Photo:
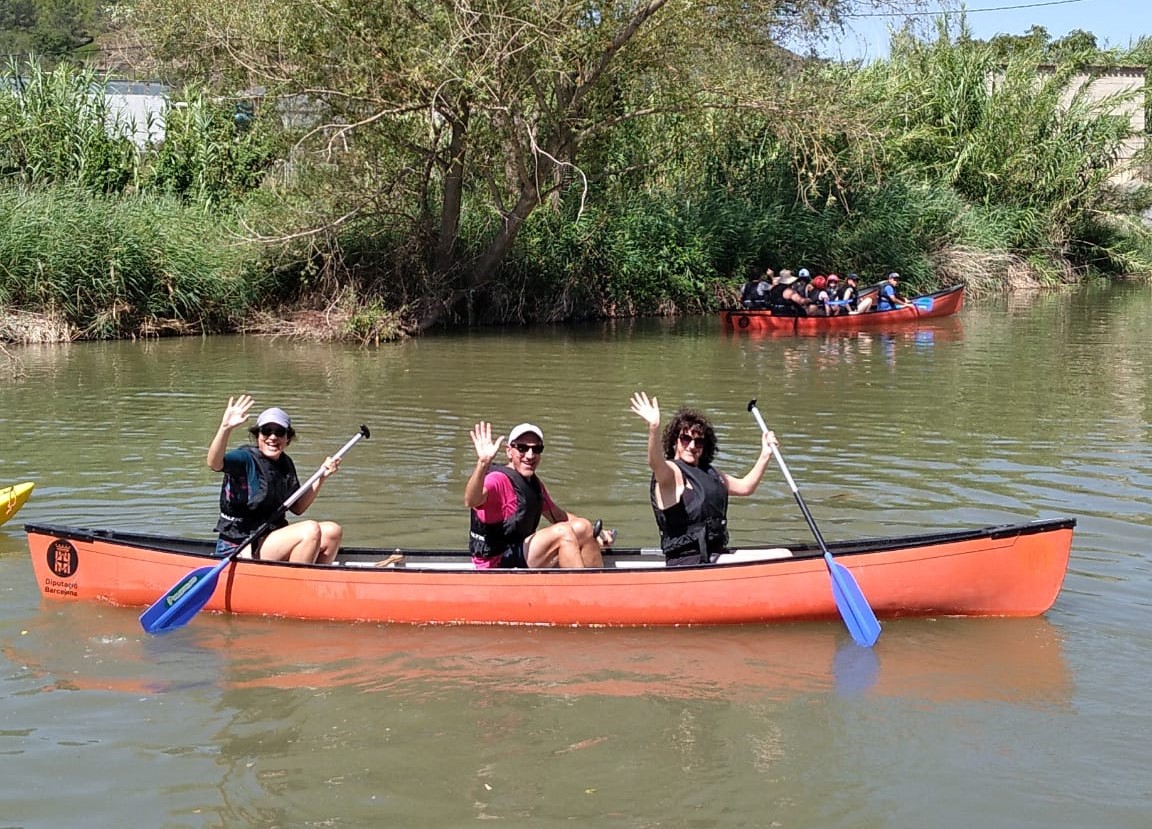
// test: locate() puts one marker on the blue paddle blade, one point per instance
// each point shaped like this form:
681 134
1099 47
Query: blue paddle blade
923 303
183 601
854 609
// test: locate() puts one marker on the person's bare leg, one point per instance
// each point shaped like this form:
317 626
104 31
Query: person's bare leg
590 553
554 546
298 543
331 534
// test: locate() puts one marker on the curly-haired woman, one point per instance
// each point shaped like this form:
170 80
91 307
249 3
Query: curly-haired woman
689 495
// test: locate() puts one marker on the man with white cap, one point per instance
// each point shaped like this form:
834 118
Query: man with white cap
257 481
507 503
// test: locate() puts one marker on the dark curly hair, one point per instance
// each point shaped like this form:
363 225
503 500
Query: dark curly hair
688 420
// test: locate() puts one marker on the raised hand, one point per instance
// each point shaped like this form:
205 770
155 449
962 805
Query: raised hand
237 411
649 410
486 448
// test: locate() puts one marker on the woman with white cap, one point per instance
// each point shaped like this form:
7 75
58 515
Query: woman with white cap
258 479
507 503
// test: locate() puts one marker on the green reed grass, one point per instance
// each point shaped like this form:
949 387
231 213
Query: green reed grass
56 127
120 266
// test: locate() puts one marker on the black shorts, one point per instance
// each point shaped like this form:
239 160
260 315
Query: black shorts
684 561
512 558
226 546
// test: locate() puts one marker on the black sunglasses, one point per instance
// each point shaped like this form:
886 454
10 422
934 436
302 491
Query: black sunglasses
525 448
687 440
270 429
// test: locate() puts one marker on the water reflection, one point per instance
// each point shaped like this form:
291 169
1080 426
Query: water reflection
258 722
822 351
1010 661
949 329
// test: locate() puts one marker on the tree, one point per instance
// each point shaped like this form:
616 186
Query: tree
50 28
437 114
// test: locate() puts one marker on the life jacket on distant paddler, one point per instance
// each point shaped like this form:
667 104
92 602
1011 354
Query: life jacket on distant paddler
780 306
849 296
248 498
698 522
489 540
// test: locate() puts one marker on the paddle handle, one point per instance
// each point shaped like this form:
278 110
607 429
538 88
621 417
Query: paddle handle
788 477
298 494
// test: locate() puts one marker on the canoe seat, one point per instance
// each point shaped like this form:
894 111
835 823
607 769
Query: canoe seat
754 555
654 559
647 560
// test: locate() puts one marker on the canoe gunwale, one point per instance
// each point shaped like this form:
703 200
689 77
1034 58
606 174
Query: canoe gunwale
202 550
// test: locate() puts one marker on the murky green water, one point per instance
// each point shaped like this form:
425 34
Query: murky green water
1019 409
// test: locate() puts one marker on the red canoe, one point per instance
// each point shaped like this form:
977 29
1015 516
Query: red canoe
1010 570
929 306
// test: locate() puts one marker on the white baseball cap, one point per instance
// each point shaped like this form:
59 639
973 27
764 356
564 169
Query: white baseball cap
523 429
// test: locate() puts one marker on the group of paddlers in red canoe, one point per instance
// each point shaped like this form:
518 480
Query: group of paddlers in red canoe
803 295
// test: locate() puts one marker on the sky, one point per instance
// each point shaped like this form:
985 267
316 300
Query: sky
1114 22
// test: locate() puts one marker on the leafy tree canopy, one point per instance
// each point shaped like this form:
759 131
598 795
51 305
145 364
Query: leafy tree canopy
497 106
50 28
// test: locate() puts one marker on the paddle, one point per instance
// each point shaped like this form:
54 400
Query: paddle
853 607
189 595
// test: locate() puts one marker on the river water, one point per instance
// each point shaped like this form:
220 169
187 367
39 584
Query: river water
1021 408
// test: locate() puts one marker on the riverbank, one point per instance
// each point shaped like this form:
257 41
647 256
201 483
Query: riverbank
223 227
351 319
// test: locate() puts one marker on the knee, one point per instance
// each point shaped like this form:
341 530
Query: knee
310 533
566 533
581 528
331 532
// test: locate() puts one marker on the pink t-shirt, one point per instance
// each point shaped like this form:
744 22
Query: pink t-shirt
501 504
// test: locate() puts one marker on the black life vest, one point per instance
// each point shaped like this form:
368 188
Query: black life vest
887 300
777 304
698 522
749 293
490 540
251 497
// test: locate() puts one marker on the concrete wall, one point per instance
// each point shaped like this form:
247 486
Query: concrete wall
1102 83
137 110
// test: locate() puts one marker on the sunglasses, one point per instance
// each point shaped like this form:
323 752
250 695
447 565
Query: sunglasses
687 440
269 429
525 448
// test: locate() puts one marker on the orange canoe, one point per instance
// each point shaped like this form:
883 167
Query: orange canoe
930 306
1009 570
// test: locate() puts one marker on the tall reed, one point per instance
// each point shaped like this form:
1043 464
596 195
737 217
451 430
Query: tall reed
56 127
120 266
